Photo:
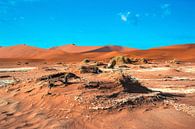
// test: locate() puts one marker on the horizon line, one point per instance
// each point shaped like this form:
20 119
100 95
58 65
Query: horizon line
157 46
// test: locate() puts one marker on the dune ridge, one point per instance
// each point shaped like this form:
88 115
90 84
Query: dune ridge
182 52
77 53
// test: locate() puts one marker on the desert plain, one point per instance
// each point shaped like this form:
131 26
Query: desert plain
109 87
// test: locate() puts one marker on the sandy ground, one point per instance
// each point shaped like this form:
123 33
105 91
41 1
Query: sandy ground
30 104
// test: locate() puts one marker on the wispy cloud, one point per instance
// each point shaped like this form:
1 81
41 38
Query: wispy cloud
124 16
130 17
134 18
165 6
166 10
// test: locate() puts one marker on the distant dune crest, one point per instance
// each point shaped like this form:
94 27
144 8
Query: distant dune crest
84 49
73 52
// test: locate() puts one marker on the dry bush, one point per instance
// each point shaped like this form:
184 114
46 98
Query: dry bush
119 60
132 85
90 69
86 61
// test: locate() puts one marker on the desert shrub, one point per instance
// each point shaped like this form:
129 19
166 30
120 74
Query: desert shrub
132 85
111 64
59 63
99 64
122 59
119 60
62 77
86 61
19 63
90 69
174 61
143 60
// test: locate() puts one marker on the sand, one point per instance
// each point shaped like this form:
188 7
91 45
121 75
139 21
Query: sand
97 101
31 104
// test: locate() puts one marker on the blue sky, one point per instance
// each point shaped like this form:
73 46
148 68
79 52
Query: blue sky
134 23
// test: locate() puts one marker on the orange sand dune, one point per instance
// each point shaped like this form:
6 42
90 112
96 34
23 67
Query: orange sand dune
20 51
183 46
78 53
182 52
80 49
51 54
59 55
76 49
113 48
